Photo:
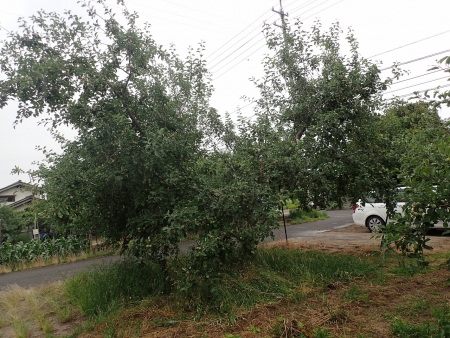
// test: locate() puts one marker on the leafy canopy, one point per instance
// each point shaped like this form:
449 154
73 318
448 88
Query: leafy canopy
323 105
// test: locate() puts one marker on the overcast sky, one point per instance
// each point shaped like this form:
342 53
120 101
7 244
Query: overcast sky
235 47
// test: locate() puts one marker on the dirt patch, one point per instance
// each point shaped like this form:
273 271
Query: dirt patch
356 240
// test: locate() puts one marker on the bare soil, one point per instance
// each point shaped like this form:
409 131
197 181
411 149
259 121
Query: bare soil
357 239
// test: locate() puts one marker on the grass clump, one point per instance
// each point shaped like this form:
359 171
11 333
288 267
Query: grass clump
272 274
440 327
298 216
101 291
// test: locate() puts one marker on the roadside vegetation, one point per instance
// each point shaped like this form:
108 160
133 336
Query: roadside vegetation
153 163
298 216
281 292
38 253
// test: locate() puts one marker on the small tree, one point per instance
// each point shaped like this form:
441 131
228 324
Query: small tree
325 105
142 117
420 141
11 225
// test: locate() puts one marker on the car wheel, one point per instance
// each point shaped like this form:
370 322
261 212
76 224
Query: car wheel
374 223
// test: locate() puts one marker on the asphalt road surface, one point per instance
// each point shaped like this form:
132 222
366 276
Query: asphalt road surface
48 274
338 219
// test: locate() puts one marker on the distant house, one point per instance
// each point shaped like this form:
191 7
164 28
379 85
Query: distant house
17 195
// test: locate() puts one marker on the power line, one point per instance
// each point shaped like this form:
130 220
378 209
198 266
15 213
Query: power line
10 13
418 59
313 7
418 84
415 77
421 91
4 29
177 22
265 45
239 55
234 50
235 111
241 60
320 10
409 44
226 43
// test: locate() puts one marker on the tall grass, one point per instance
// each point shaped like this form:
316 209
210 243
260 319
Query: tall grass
273 274
101 291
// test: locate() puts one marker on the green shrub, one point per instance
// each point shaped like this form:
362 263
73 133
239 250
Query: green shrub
23 237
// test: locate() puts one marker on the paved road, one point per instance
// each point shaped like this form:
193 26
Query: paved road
338 218
28 278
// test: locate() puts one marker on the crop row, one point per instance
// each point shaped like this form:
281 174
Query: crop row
31 251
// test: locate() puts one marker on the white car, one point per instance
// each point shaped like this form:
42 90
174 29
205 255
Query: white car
373 215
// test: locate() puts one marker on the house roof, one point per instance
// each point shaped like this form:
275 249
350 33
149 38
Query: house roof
23 201
17 184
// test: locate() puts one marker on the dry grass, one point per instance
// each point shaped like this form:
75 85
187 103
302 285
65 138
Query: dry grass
37 312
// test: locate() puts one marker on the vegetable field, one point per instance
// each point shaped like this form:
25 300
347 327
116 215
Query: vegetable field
11 254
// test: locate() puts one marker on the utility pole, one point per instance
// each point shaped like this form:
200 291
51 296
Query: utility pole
1 232
287 40
283 20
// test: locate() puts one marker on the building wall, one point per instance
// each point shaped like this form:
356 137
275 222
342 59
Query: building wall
19 190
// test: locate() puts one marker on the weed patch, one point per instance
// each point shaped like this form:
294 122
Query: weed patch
298 216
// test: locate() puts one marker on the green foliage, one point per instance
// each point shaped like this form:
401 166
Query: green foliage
101 291
321 333
438 97
253 329
24 237
271 275
419 144
11 225
291 204
420 140
308 215
39 213
145 168
152 161
354 293
428 176
400 328
13 254
323 106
